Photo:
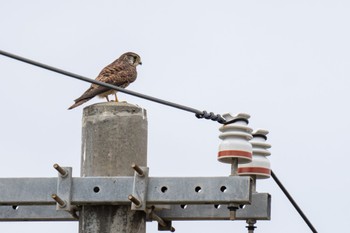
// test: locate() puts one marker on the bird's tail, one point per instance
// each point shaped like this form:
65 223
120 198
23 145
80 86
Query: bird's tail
79 102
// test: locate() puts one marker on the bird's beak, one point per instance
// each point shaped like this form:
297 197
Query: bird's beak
140 63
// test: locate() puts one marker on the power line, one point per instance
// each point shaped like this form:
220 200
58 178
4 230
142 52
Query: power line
290 198
198 113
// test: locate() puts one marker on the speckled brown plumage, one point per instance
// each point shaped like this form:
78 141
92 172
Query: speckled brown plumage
120 73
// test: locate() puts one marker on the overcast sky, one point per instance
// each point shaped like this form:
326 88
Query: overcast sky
286 63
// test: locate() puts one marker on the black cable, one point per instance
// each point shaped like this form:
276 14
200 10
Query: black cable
198 113
290 198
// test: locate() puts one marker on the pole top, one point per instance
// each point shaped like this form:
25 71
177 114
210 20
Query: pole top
112 108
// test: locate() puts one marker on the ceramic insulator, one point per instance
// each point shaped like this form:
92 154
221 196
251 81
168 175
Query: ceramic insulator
260 165
235 140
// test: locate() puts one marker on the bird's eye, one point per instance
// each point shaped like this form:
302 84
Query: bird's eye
131 60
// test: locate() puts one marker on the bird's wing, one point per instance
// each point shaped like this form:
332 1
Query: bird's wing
109 75
116 74
92 92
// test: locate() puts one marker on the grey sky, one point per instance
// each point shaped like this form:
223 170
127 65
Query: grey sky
286 63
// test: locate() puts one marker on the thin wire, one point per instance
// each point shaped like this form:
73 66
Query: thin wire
198 113
290 198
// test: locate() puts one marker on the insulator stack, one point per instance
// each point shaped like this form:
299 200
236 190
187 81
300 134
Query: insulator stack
260 165
235 139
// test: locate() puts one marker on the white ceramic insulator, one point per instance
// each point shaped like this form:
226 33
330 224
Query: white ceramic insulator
235 141
260 165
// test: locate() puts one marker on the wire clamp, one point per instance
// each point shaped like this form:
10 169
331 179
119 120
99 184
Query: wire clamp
211 116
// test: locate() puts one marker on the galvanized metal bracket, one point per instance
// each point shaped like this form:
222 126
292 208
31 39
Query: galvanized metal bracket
64 189
115 190
259 209
168 198
140 188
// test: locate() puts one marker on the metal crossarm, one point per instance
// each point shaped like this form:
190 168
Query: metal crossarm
115 190
259 209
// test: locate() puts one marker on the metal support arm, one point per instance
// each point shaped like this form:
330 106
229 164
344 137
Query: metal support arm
259 209
115 190
171 198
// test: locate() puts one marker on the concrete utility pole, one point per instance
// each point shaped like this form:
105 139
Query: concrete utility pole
113 137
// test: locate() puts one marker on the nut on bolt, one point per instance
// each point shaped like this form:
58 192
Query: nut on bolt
134 200
63 172
138 170
59 201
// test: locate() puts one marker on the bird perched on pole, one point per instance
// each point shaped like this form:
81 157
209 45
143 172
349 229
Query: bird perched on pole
120 73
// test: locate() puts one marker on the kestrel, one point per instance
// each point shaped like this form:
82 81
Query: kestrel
120 73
